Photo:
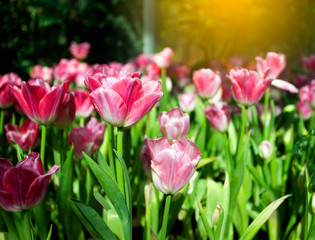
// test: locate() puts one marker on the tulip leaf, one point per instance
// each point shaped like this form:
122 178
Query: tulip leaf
113 193
205 220
103 164
49 233
226 193
205 161
102 201
91 220
262 218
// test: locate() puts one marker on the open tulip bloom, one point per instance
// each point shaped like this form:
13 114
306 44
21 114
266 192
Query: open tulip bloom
121 98
23 186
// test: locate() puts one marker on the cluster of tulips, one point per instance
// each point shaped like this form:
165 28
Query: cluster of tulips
170 152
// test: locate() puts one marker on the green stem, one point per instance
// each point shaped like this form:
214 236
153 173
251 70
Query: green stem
1 121
81 121
111 144
266 113
42 145
229 164
18 152
61 146
119 170
241 136
27 231
164 99
165 216
127 147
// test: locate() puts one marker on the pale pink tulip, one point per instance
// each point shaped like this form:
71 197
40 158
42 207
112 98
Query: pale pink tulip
121 98
80 51
42 72
275 62
187 101
218 116
174 125
173 163
248 87
265 149
206 82
163 59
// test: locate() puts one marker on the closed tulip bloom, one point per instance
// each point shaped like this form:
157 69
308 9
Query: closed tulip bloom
88 138
265 149
6 82
187 101
80 51
174 125
23 186
163 59
218 116
83 104
206 82
275 62
173 163
25 136
42 72
247 86
121 98
40 102
66 69
307 94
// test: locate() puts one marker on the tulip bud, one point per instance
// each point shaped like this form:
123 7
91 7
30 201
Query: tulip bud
217 214
80 51
163 58
187 101
265 150
174 125
206 82
218 116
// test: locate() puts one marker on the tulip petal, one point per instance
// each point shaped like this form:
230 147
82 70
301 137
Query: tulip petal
23 104
6 202
32 160
91 83
5 164
259 90
187 146
284 85
141 107
50 104
109 105
38 188
157 145
183 175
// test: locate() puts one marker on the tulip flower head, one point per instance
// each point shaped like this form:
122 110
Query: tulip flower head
23 186
6 82
265 149
83 104
247 86
304 110
40 102
88 138
163 59
25 136
187 101
307 94
80 51
121 98
174 125
42 72
207 82
218 116
275 62
173 163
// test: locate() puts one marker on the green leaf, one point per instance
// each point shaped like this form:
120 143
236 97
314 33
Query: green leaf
103 164
225 205
102 201
262 218
49 233
205 161
204 220
91 220
232 138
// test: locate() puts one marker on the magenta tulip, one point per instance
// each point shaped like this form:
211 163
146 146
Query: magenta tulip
308 63
83 104
304 110
66 70
40 102
173 163
174 125
145 157
307 94
23 186
163 59
206 82
25 136
80 51
275 62
88 138
66 114
187 101
121 98
248 87
42 72
218 116
6 82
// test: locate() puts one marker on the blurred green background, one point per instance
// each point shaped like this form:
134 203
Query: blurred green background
40 31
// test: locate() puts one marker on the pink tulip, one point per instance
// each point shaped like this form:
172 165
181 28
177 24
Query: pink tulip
284 85
248 87
187 101
6 82
66 115
206 82
143 60
173 163
174 125
121 98
25 136
80 51
66 70
42 72
304 110
265 149
83 104
307 94
163 59
308 63
218 116
88 138
82 70
23 186
40 102
182 73
275 62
